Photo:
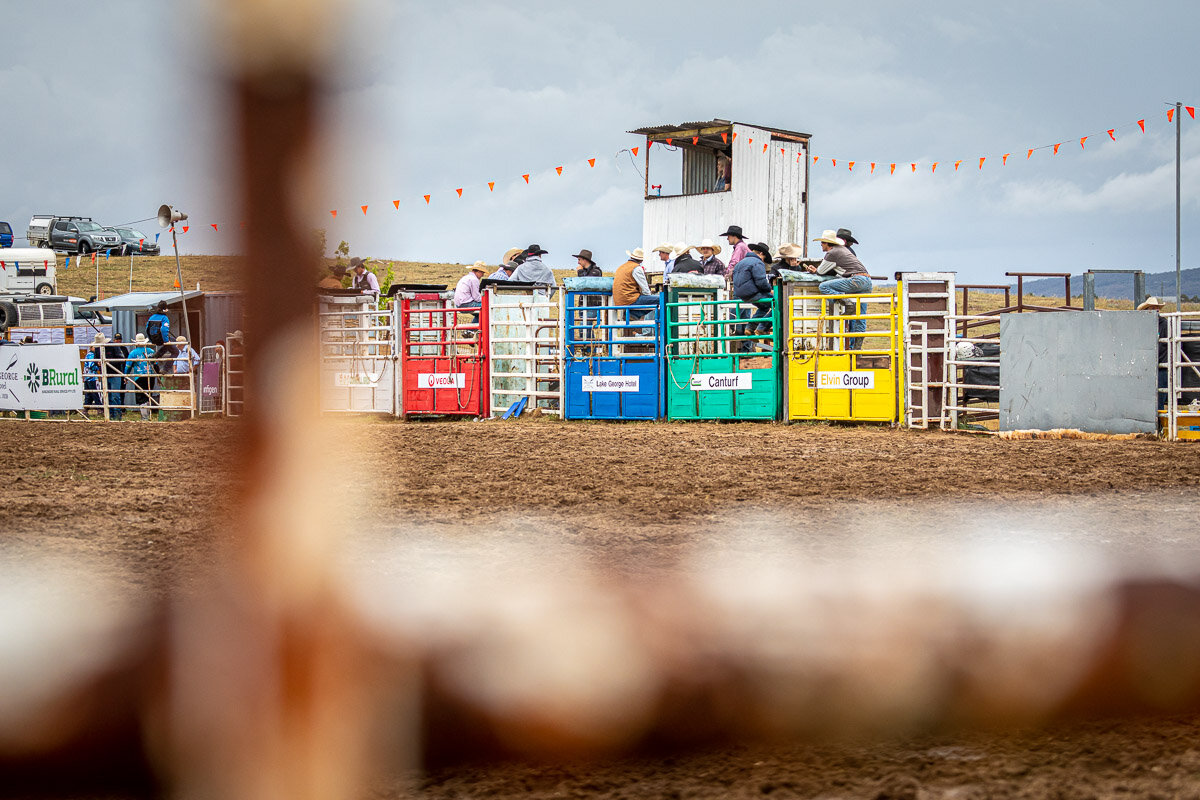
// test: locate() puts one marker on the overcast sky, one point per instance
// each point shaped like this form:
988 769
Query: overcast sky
112 108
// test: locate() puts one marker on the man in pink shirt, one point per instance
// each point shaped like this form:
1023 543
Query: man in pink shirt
740 250
466 293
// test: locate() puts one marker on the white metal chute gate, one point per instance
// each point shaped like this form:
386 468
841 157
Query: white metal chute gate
525 347
961 357
1180 408
212 398
927 298
358 355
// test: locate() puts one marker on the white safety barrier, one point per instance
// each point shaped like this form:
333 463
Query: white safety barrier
144 384
525 347
1180 413
234 373
358 357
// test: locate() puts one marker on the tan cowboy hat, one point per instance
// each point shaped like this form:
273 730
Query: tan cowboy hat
510 253
478 266
830 237
636 254
1149 303
680 248
790 251
709 243
663 248
99 339
181 340
141 339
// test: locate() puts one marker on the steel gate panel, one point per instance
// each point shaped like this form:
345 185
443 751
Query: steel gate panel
707 375
358 356
525 348
612 364
443 356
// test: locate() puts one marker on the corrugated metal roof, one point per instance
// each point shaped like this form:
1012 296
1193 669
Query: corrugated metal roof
658 130
141 300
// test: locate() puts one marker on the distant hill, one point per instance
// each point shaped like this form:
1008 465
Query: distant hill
1119 286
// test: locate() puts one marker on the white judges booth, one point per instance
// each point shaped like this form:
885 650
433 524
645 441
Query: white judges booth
704 176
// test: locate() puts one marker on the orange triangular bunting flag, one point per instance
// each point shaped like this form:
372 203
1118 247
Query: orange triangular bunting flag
981 160
591 162
1004 159
491 186
933 169
426 199
1027 155
396 203
177 283
634 150
1082 139
1142 125
852 166
956 163
1110 134
833 161
459 192
526 175
1170 115
558 170
816 159
750 139
872 167
725 137
214 226
333 211
1191 111
669 142
893 169
782 151
914 167
185 230
1056 148
364 208
695 140
765 146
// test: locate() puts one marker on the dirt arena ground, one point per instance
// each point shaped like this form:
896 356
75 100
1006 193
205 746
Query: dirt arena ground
147 500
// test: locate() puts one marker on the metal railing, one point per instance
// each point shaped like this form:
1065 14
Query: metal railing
525 347
956 390
234 374
358 357
143 383
1181 410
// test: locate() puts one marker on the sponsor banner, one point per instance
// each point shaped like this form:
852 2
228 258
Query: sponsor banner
356 379
610 383
843 380
438 380
44 377
210 386
722 380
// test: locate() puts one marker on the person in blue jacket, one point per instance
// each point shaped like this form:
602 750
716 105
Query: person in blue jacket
751 285
138 369
158 331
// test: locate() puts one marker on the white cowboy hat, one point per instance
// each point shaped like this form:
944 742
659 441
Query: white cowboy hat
663 248
1149 303
636 254
478 266
681 248
830 237
709 243
99 339
789 250
141 339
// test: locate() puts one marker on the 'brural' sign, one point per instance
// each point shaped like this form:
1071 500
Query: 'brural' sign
45 377
842 380
610 383
722 380
441 380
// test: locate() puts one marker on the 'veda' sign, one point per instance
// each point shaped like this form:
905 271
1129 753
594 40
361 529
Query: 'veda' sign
441 380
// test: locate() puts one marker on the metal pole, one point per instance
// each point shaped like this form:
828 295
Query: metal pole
187 325
131 272
1178 272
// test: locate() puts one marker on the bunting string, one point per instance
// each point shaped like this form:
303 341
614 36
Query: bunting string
589 163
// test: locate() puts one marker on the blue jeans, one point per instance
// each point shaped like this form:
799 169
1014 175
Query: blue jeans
644 300
855 284
762 302
116 396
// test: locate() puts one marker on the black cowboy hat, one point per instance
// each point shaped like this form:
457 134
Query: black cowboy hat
535 250
762 250
586 254
846 236
734 230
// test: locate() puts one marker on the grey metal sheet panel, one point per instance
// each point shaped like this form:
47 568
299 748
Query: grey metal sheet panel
223 314
125 323
1095 371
